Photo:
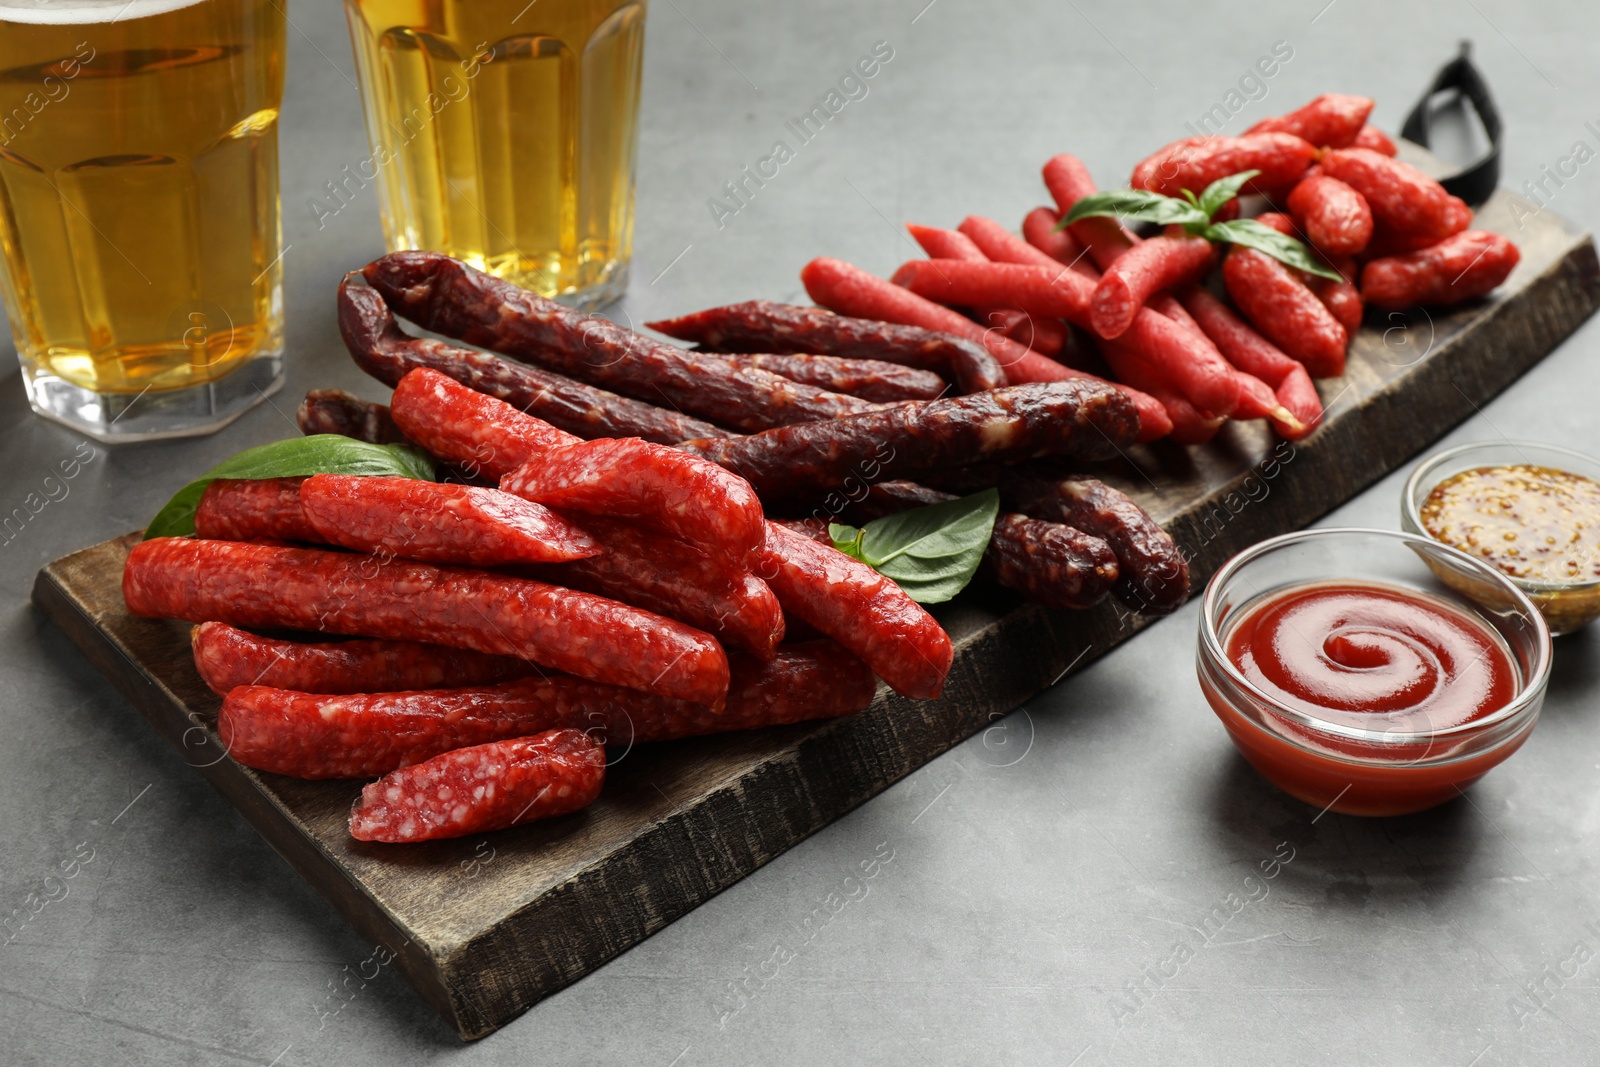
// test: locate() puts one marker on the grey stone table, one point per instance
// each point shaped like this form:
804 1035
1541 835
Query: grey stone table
1042 896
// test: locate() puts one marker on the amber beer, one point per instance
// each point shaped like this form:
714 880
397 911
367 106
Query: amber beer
502 132
139 208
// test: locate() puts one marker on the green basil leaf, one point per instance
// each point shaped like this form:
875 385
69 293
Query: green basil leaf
930 552
323 453
846 539
1264 238
1136 205
1222 190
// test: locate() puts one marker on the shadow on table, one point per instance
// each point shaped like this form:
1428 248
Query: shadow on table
1351 862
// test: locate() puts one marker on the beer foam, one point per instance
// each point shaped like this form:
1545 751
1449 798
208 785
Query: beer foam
85 12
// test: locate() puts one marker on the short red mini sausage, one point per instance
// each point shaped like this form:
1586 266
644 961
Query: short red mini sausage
1195 162
486 787
1462 267
1332 120
1334 216
1402 198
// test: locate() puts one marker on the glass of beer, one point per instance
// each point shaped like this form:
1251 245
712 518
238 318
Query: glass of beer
139 209
502 133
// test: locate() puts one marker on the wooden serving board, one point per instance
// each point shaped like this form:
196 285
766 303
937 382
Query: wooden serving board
484 927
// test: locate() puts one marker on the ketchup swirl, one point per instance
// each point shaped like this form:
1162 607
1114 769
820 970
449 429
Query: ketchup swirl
1352 650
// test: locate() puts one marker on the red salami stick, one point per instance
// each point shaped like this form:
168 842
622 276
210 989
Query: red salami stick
227 657
437 523
1281 306
486 787
338 592
1141 272
486 436
1332 120
677 579
303 735
861 609
253 509
764 326
849 290
402 517
1253 354
1045 336
1462 267
1202 375
667 489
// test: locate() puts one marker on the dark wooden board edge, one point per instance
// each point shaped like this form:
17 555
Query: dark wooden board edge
613 903
239 785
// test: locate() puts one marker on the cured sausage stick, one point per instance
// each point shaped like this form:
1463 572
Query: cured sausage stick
253 509
1153 573
486 787
859 608
870 379
438 523
227 656
665 488
336 411
338 592
403 517
1085 420
676 579
444 295
1051 564
305 735
764 326
383 350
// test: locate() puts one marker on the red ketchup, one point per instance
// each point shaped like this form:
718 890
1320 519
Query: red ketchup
1371 657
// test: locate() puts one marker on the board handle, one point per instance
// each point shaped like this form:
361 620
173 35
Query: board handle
1475 182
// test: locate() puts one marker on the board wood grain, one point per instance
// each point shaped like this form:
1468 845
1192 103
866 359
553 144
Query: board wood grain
482 940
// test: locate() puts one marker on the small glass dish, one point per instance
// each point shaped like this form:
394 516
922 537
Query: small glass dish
1566 606
1377 768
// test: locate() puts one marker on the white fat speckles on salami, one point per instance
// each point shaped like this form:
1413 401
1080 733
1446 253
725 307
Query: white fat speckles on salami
486 787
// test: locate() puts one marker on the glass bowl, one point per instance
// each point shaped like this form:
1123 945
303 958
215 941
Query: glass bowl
1371 767
1566 606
